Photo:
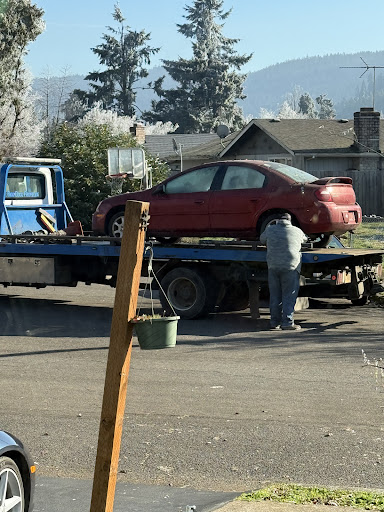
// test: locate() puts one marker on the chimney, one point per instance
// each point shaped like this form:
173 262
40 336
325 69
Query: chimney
367 130
138 131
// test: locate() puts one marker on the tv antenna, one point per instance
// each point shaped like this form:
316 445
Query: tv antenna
367 67
177 148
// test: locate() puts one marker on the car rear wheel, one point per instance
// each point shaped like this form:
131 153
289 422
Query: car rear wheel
11 487
116 225
272 218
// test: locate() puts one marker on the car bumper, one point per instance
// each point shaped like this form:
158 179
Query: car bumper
333 218
98 223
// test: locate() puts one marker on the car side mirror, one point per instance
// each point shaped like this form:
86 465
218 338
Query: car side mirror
160 189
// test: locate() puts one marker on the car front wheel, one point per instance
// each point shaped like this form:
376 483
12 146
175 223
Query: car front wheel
116 225
11 487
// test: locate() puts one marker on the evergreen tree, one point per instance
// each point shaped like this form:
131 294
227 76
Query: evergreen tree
307 106
209 84
123 53
20 23
326 107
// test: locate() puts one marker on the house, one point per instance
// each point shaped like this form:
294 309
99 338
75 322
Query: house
313 145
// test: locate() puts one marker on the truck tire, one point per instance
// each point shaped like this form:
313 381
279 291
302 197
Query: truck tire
361 301
235 298
192 292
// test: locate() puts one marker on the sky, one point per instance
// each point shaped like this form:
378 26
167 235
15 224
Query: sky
273 30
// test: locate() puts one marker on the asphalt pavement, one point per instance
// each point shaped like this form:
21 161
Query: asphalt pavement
73 495
232 408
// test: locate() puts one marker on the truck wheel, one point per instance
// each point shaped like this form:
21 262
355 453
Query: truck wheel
361 301
191 292
236 297
116 225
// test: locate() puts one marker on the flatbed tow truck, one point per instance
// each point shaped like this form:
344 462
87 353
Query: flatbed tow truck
198 279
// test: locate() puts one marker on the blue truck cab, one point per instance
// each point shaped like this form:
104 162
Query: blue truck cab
28 186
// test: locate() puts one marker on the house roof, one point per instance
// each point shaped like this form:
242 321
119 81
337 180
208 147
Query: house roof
295 135
162 146
310 135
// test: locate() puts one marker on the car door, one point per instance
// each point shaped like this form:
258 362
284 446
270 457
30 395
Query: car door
183 204
235 207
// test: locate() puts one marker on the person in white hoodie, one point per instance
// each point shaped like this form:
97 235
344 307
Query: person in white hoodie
284 264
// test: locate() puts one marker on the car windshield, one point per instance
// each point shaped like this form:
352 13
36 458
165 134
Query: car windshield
291 172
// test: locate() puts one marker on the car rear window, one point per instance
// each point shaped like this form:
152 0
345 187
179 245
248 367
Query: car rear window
291 172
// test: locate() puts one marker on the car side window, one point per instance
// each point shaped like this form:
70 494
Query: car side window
199 180
238 177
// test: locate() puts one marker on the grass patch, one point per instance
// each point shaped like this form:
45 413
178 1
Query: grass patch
286 493
369 235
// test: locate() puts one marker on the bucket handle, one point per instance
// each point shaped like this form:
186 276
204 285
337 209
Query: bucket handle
149 249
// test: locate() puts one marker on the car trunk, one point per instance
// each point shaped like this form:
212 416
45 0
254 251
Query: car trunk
340 189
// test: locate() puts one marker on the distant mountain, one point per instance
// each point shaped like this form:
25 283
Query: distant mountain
269 87
317 75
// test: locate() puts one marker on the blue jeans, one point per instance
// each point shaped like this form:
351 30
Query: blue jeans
283 291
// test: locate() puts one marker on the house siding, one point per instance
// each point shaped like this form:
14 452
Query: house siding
328 165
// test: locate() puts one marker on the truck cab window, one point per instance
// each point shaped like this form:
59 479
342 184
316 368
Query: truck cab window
25 186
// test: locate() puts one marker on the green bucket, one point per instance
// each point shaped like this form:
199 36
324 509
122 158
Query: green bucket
155 333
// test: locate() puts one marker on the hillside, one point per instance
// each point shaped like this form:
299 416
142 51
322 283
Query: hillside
317 75
268 87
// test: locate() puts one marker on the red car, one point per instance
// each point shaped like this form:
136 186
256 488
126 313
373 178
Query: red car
238 198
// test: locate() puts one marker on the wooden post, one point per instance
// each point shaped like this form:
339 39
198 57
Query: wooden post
119 355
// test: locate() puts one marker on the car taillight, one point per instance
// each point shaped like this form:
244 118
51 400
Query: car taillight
323 194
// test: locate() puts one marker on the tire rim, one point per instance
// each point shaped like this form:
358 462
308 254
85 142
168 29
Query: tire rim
182 294
117 228
11 499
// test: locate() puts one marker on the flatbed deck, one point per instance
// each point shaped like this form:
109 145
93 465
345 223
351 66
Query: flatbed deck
46 245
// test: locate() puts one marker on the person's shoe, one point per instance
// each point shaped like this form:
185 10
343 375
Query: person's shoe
275 328
293 327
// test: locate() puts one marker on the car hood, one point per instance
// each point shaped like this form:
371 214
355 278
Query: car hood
121 199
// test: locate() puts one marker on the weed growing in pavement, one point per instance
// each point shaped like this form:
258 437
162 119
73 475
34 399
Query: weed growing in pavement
316 495
379 369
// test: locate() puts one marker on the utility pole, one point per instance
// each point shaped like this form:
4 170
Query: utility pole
367 67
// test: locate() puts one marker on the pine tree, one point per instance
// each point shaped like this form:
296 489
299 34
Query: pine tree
209 82
20 23
124 52
307 106
326 107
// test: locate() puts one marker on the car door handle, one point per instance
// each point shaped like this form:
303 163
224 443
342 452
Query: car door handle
254 200
200 201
